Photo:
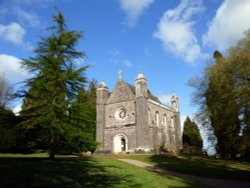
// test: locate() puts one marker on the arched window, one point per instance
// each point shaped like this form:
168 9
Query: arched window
157 121
172 124
166 129
165 120
149 117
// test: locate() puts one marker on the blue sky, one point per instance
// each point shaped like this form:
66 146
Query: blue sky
169 41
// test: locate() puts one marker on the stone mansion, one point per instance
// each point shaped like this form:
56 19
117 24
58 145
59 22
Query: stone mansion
131 119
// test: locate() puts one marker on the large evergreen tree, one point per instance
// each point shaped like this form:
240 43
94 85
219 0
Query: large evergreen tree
224 97
53 89
222 108
84 115
239 69
192 141
91 114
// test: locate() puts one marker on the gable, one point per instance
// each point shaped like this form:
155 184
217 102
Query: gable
121 93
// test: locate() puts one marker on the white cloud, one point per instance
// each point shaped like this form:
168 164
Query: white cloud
228 25
127 63
22 10
133 9
10 66
30 17
175 30
12 32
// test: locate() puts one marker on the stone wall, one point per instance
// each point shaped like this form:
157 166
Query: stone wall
129 131
110 114
132 113
164 131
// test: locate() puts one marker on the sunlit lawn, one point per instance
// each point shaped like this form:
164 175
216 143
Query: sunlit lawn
37 171
199 166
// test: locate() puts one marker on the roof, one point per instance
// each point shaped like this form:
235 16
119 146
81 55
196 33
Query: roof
150 96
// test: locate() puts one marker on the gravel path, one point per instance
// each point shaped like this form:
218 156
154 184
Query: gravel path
217 183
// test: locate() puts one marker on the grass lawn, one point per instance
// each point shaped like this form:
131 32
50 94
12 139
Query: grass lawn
37 171
199 166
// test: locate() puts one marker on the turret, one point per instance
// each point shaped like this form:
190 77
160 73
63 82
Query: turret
102 97
141 91
174 102
141 86
102 93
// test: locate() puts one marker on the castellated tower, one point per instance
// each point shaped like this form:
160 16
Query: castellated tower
102 97
141 92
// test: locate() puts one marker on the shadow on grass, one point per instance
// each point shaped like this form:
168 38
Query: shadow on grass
201 166
62 172
185 182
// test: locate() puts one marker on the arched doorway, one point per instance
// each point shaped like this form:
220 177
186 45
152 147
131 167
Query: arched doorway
120 143
123 144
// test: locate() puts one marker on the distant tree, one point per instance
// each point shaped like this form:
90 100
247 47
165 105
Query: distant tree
92 108
8 130
192 141
223 94
84 114
8 120
6 92
53 89
92 89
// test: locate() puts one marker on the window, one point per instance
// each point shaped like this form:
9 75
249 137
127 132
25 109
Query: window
172 124
165 120
149 117
157 118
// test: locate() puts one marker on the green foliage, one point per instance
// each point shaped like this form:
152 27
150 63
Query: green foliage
192 141
239 69
46 111
83 113
217 55
223 109
8 130
6 92
224 97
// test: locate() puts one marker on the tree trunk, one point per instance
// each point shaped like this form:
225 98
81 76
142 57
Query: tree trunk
51 154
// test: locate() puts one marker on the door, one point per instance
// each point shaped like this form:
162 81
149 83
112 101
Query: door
119 143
